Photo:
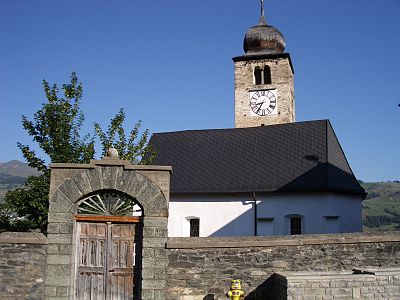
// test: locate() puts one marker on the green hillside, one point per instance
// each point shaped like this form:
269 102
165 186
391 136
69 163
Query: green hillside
381 209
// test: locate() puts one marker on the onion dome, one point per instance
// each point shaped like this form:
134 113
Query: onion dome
263 39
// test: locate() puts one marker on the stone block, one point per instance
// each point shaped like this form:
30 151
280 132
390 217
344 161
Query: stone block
50 290
62 291
161 232
124 179
153 263
160 222
57 280
60 203
154 284
149 232
160 273
154 242
58 259
148 273
160 252
60 238
65 249
157 206
95 178
147 294
159 295
69 189
60 217
148 252
82 182
52 249
53 228
109 176
136 185
65 227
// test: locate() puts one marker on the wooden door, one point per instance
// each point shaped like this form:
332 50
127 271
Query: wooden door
105 261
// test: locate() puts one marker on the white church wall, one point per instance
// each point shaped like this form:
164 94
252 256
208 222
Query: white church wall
234 215
214 212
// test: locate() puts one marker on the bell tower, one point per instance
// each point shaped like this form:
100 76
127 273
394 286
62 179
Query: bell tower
264 78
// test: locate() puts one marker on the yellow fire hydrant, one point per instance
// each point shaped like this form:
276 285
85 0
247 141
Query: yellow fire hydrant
235 293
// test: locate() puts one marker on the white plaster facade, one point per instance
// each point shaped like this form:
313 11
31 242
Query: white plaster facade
234 215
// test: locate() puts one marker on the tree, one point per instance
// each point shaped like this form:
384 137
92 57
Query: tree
56 129
128 149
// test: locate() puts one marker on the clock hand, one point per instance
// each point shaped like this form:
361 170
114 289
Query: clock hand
259 107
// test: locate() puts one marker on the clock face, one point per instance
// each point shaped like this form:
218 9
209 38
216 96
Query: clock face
263 103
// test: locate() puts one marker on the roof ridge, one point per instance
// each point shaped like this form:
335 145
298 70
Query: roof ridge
242 128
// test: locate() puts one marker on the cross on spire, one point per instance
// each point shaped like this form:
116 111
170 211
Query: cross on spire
262 18
262 8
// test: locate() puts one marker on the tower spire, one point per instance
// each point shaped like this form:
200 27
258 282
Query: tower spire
262 18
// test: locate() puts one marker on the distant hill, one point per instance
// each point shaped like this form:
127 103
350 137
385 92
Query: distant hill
14 174
381 209
17 168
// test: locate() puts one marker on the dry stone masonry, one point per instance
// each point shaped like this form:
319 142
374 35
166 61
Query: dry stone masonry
22 265
204 266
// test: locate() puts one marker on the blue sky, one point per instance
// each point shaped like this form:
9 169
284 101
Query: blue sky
169 64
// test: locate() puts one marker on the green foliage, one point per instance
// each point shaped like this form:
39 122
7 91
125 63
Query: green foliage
381 209
128 149
27 206
56 129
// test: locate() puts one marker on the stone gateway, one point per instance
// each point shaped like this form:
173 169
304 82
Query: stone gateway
107 231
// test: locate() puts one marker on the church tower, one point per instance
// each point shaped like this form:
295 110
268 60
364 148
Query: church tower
264 78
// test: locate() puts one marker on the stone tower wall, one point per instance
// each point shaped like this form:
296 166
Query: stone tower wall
282 80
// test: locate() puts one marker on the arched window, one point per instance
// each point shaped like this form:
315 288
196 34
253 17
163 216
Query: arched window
267 75
262 75
257 76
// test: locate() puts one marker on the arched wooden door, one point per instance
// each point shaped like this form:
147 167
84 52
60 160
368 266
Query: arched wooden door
106 247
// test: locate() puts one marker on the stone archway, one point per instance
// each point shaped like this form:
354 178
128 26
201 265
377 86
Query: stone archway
148 185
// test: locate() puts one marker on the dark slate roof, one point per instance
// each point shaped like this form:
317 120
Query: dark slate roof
295 157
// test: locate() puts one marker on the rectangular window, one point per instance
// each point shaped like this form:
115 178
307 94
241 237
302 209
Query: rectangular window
295 225
194 227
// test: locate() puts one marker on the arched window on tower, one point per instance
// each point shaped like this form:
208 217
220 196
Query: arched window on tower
262 75
267 75
257 76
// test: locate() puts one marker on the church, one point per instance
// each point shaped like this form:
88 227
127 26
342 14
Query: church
270 175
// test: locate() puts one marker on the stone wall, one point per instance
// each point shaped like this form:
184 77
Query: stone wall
372 284
22 265
201 268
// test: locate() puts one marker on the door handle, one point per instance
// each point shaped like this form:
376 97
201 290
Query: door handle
110 271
